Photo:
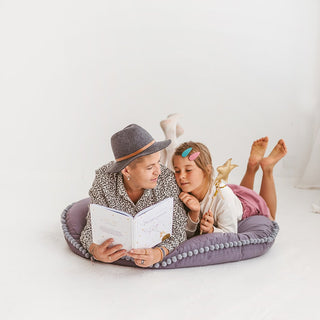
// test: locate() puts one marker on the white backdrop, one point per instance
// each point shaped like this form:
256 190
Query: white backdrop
74 72
311 173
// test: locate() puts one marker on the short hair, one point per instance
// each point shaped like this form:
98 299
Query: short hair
134 163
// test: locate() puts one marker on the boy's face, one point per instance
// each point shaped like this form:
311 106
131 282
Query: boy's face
145 172
190 178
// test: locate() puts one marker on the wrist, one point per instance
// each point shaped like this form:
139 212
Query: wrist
163 253
92 249
194 216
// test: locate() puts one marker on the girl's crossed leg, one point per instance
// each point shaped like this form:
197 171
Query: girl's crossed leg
256 160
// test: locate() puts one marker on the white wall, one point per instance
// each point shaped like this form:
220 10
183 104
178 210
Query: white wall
74 72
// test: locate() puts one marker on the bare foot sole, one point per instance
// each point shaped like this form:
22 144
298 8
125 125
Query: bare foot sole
171 127
257 152
179 129
278 152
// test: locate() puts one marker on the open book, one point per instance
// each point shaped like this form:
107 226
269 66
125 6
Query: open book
148 228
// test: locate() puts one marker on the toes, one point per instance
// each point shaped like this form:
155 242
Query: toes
284 148
263 139
282 144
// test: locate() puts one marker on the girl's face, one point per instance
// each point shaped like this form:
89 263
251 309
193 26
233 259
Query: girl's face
190 178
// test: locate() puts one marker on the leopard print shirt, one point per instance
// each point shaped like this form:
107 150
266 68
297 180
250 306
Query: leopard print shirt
108 190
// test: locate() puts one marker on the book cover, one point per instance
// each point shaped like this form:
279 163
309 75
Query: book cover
148 228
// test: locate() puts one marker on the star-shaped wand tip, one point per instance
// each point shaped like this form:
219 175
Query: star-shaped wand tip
224 170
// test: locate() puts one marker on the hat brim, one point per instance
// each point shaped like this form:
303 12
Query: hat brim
157 146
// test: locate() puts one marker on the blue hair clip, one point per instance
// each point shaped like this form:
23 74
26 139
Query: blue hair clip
186 152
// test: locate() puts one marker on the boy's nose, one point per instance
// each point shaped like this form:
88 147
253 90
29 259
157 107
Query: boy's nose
157 170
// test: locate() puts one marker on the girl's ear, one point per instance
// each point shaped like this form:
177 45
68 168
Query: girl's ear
209 169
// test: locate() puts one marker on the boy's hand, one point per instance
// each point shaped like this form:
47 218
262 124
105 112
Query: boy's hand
107 253
145 257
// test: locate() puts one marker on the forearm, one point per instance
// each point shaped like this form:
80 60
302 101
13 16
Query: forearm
190 234
194 216
192 223
86 234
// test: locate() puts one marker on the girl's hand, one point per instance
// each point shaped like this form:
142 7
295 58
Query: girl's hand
190 201
107 253
145 257
206 223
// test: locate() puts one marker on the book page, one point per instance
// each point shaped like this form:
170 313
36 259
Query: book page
153 224
108 223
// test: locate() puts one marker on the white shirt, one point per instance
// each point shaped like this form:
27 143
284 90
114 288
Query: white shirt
227 211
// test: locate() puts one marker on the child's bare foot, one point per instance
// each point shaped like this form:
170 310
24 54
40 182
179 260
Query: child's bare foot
258 150
278 152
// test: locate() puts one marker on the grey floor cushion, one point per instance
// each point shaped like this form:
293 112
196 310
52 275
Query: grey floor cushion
255 236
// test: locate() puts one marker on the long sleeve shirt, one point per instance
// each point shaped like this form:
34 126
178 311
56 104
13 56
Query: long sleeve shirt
227 211
108 190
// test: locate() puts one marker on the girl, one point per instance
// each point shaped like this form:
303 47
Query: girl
195 176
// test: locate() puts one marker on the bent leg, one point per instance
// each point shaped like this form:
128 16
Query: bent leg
268 189
257 152
268 192
172 130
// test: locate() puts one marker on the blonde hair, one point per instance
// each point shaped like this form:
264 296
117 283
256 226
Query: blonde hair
203 161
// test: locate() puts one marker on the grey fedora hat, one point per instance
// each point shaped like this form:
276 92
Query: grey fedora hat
131 143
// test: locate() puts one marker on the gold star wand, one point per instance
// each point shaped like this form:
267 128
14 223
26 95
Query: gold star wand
223 174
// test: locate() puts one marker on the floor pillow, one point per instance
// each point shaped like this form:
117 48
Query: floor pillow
255 236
